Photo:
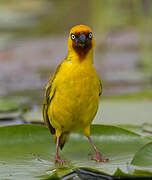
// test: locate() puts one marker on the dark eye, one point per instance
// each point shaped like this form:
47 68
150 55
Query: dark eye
72 36
90 35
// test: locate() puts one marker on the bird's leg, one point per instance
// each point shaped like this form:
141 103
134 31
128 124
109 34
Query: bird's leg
57 157
98 156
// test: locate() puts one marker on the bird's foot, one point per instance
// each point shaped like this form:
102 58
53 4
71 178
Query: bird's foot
59 160
98 157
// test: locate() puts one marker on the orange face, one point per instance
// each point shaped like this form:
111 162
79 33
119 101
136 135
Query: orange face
81 40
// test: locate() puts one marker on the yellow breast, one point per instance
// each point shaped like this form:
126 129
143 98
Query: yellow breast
77 96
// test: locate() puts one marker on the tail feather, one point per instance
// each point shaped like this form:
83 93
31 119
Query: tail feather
63 138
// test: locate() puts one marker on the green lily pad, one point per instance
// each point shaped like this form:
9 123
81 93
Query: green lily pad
147 128
141 95
27 151
124 112
11 108
144 129
33 116
143 158
9 104
142 161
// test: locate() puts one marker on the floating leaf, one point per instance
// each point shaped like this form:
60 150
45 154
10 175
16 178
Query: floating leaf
139 129
143 158
9 104
11 108
147 128
27 151
124 112
33 116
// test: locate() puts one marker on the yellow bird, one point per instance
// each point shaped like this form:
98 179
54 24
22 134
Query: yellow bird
72 94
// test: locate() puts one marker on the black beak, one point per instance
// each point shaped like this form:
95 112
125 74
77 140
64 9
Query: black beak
82 40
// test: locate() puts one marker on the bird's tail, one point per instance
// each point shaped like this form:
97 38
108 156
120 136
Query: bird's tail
63 138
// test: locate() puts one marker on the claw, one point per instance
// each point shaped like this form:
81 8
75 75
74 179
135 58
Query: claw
98 157
60 161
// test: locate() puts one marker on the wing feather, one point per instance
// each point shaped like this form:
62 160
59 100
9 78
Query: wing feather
100 88
49 95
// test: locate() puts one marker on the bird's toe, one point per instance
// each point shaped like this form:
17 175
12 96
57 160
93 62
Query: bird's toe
60 161
98 157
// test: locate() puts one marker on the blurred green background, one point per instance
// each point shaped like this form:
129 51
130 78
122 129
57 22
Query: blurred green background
33 38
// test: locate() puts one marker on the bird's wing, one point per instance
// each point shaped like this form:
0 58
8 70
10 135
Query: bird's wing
49 94
100 88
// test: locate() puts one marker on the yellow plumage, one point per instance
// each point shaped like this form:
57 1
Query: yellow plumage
76 97
72 94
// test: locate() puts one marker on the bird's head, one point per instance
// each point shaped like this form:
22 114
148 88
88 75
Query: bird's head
81 41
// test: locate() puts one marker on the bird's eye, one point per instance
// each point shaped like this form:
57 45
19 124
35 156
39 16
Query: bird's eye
72 36
90 35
